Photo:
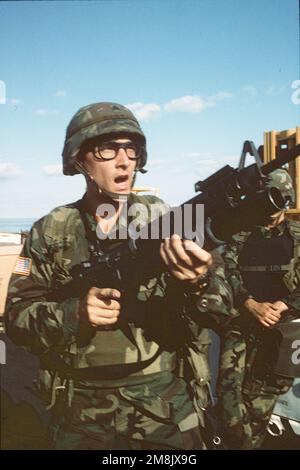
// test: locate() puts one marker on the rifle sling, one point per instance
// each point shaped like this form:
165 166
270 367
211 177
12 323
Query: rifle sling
276 268
104 372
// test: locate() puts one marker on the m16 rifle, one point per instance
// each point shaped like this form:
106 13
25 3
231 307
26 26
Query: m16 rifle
233 200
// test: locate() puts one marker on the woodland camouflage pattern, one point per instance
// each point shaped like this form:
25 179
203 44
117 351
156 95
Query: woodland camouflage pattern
151 408
246 398
282 180
247 386
153 414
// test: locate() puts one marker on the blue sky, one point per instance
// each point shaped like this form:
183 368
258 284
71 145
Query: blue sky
202 76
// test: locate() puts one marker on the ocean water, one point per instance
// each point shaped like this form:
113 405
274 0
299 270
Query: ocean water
15 225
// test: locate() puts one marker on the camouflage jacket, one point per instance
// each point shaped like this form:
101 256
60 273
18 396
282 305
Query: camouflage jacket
291 278
56 243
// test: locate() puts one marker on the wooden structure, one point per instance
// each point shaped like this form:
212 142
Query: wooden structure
274 141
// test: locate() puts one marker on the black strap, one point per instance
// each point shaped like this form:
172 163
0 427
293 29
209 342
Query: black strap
94 242
275 268
110 372
104 372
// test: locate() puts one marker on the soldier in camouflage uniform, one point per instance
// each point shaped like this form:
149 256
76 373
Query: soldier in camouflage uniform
111 380
263 270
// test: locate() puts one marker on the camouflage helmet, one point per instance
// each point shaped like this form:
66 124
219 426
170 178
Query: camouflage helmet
282 180
95 120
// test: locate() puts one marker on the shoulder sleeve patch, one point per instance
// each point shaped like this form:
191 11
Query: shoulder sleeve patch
23 266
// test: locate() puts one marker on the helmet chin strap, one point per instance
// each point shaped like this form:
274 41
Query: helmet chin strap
114 196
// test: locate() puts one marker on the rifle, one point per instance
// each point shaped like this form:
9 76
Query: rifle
234 200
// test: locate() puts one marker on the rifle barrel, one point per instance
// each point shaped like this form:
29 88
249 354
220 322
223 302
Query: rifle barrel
285 157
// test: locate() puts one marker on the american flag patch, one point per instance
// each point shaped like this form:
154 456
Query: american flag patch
23 266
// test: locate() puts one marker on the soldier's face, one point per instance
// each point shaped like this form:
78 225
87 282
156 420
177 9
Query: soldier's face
115 175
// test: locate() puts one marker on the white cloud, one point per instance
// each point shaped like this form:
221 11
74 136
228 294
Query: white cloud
275 89
60 93
188 104
195 103
9 170
221 95
250 90
144 111
52 170
45 112
2 92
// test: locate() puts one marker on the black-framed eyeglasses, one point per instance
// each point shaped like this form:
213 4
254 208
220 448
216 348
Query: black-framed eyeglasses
109 150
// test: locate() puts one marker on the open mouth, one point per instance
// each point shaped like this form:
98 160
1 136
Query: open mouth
121 179
122 182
